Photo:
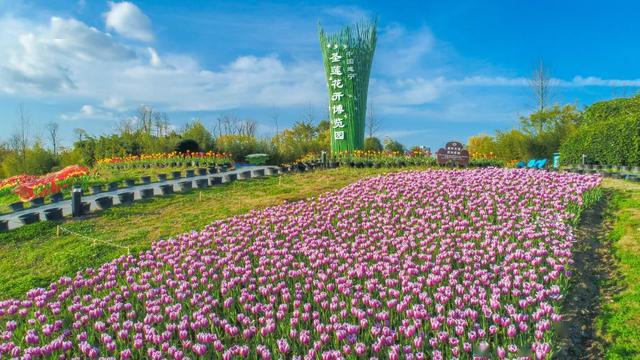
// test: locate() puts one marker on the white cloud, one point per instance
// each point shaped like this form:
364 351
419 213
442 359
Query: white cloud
129 21
154 58
89 112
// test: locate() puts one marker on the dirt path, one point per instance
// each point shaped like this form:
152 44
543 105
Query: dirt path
590 287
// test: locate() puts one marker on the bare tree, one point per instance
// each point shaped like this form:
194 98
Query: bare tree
229 124
275 116
20 140
540 83
145 116
81 134
52 129
373 122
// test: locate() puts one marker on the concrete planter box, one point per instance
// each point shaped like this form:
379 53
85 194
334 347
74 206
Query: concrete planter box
271 171
57 197
202 183
17 206
85 208
230 177
162 177
53 214
257 173
126 197
166 189
29 218
190 173
130 182
146 193
215 180
145 179
35 202
104 202
176 174
113 186
202 171
186 185
244 175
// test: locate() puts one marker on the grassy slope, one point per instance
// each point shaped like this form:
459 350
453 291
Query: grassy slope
620 322
33 255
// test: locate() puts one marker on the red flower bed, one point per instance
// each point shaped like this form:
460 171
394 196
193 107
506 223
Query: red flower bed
51 183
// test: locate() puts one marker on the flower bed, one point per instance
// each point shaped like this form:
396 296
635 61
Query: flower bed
166 159
415 265
7 185
52 183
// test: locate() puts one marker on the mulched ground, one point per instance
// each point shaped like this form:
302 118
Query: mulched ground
591 286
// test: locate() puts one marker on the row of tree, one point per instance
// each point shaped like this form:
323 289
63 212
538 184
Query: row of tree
149 131
605 133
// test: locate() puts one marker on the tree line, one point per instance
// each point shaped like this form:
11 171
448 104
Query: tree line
151 131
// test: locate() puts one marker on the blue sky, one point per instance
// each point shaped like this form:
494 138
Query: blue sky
442 70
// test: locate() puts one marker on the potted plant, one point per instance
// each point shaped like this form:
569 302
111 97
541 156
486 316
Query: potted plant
146 193
53 214
190 173
202 183
216 180
85 208
176 174
38 201
16 206
166 189
162 177
56 197
29 218
113 186
145 179
125 197
202 171
104 202
130 182
96 189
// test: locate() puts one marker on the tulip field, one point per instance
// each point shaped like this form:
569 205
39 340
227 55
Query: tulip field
413 265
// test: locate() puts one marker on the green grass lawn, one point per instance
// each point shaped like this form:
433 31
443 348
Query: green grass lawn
620 321
33 256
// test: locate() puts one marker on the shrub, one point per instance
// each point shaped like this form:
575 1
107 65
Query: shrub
609 135
187 145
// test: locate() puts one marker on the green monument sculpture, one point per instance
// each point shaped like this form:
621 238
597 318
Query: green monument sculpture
347 57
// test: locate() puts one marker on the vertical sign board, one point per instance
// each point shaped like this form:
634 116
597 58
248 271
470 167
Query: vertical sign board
347 57
453 153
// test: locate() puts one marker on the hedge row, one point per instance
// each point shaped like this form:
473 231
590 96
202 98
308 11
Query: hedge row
608 135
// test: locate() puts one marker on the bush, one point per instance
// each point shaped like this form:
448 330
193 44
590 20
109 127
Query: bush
242 145
187 145
609 135
372 144
393 146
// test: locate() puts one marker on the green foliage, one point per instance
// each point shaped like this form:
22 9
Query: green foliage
301 139
483 162
393 145
197 131
242 145
372 144
609 134
511 145
620 318
547 129
481 144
